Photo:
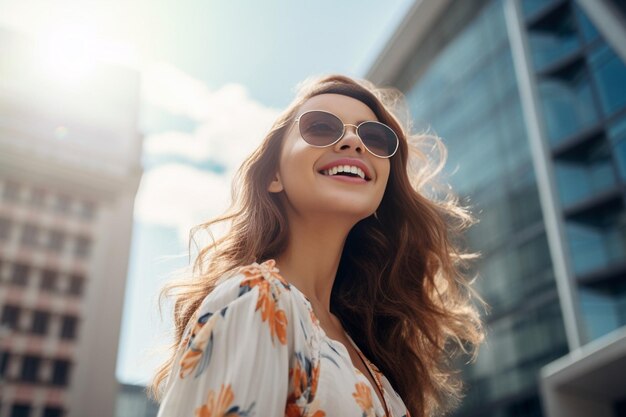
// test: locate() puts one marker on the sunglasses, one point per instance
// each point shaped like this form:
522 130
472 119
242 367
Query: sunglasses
320 128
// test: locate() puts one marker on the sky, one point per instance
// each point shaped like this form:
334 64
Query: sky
214 77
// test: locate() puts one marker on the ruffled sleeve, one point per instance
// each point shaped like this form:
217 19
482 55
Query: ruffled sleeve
234 357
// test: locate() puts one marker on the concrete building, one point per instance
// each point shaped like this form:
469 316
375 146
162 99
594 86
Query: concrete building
530 98
69 171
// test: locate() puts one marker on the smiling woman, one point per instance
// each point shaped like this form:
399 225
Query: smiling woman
339 289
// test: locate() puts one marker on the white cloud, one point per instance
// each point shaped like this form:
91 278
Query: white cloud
181 196
230 125
189 146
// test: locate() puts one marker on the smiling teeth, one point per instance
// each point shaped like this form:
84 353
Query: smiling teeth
344 168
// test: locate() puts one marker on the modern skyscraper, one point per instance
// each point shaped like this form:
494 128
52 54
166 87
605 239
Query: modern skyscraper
530 98
69 172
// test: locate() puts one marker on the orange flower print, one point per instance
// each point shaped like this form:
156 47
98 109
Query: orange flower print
304 377
259 276
363 397
265 270
220 406
200 345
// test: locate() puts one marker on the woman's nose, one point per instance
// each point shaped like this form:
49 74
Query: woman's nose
350 139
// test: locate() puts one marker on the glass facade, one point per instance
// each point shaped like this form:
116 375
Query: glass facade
467 93
469 97
582 89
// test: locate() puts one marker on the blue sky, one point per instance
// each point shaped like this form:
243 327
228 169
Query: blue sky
215 74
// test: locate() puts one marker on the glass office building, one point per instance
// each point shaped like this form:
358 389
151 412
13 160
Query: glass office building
530 98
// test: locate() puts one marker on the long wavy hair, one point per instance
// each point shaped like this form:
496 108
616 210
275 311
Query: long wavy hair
402 289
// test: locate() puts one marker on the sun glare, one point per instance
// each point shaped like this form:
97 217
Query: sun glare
70 53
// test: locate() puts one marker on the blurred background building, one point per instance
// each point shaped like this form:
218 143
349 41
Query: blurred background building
133 402
69 172
530 98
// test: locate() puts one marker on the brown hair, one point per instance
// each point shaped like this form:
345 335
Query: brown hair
401 289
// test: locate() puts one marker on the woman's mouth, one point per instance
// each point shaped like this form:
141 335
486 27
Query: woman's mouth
350 172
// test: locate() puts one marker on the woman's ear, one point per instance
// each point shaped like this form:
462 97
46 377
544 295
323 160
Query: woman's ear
276 186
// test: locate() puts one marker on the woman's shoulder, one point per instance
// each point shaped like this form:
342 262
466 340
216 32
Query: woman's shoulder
255 282
249 296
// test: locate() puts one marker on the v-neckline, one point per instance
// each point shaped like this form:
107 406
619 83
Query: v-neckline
379 384
373 374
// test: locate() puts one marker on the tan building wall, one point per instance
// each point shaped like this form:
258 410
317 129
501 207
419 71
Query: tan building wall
69 172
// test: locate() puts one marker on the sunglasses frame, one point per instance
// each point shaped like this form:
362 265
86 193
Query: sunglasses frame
297 120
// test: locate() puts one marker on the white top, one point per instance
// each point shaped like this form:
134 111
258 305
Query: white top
255 348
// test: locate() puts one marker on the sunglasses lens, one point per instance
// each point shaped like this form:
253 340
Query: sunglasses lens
319 128
379 139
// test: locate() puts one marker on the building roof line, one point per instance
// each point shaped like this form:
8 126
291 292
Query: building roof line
401 45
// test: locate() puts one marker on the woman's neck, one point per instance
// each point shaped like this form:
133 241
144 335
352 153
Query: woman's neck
312 257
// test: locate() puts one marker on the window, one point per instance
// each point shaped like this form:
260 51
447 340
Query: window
567 102
37 197
52 412
83 244
20 274
49 279
603 305
88 210
68 327
56 239
60 372
596 236
30 368
10 317
11 191
77 283
5 228
553 37
532 7
609 71
63 203
30 234
617 135
587 28
41 319
20 410
584 171
5 357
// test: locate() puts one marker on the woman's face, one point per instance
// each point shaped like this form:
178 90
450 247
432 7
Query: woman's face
302 174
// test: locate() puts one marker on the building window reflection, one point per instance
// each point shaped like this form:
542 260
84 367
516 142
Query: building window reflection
617 136
532 8
604 307
609 73
597 237
553 37
587 28
584 171
567 102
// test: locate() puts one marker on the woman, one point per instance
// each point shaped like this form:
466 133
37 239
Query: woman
338 290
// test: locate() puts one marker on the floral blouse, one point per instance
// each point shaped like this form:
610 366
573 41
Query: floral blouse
255 348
